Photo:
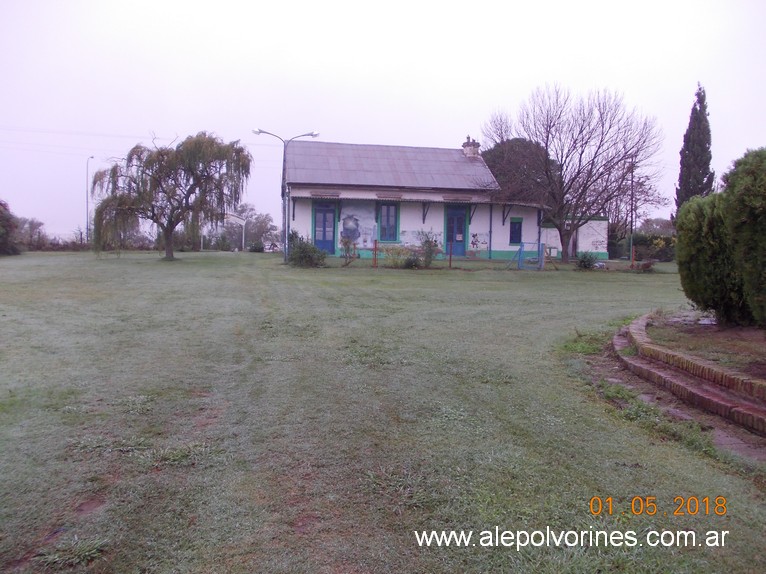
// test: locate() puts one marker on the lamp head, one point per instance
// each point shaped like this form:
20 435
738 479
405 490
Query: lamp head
314 134
258 132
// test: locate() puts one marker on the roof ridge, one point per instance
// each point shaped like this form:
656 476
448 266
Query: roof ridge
398 146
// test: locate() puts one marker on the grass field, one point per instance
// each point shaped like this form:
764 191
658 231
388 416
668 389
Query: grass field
225 413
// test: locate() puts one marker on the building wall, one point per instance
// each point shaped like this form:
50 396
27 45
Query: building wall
357 219
591 237
302 222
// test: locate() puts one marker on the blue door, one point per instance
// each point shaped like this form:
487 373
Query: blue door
456 232
324 227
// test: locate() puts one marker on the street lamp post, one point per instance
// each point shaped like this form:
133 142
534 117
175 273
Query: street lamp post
242 221
87 205
632 211
285 192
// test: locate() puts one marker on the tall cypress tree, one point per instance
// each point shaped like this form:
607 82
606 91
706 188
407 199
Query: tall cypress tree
696 177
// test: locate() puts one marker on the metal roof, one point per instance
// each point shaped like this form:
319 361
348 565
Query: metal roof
325 163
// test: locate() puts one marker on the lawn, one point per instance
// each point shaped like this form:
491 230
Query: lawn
226 413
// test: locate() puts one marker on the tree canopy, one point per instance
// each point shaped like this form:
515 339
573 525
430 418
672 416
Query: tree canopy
591 149
518 167
695 176
721 245
657 226
259 228
7 230
745 190
201 177
627 209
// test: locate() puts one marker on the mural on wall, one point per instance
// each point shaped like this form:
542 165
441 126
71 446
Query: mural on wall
479 241
357 223
350 228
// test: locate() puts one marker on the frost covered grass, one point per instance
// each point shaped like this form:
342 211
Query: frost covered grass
228 413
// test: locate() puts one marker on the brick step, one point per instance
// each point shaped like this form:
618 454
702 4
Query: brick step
751 388
694 391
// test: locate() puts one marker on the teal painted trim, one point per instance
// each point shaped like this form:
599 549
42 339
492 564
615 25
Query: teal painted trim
501 255
494 254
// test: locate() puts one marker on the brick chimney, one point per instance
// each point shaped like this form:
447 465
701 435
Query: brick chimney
471 147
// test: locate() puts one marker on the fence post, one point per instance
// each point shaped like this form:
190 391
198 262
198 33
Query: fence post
375 254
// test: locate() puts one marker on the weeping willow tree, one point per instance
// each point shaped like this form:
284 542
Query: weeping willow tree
201 177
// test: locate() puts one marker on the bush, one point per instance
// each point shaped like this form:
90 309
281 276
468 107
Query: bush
220 243
652 246
395 255
348 247
305 254
745 210
257 247
703 251
412 262
586 261
429 247
616 249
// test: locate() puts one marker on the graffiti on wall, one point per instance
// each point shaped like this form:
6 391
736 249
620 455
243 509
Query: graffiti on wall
479 241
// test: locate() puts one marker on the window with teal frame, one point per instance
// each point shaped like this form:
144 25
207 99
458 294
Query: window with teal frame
515 238
388 216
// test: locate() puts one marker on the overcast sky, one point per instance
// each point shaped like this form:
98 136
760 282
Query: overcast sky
82 78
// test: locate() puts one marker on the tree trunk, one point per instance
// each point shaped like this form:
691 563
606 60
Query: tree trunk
168 236
194 231
565 235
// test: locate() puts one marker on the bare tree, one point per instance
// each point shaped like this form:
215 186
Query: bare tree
497 130
30 234
657 226
631 206
592 146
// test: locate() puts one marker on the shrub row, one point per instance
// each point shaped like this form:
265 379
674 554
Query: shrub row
721 245
646 246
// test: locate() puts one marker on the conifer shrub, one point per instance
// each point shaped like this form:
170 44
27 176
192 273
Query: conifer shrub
746 225
709 276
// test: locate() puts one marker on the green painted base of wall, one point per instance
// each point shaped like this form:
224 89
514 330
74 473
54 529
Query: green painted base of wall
496 255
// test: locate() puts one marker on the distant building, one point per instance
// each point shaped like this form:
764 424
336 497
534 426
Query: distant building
390 194
592 237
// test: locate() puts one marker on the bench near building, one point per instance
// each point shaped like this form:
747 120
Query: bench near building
392 194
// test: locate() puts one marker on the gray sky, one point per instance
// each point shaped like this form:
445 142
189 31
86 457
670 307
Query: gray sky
95 77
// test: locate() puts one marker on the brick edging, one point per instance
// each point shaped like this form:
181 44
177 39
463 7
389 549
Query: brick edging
701 368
